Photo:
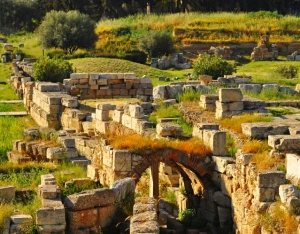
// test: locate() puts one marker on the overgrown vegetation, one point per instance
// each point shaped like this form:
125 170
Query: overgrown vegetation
191 95
234 123
273 94
286 71
192 146
214 66
191 219
52 70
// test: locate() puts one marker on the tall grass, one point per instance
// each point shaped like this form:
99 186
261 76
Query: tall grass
235 122
272 94
192 146
191 95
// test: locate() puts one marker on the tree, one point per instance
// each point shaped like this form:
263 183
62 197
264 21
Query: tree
157 43
53 70
214 66
68 31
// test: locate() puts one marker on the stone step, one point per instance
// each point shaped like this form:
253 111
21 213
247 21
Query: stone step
17 113
11 101
82 161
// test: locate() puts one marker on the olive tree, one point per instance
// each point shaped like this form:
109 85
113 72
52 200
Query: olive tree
68 31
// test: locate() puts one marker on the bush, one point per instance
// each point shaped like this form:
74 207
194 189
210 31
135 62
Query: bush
157 44
190 219
286 71
68 31
52 70
214 66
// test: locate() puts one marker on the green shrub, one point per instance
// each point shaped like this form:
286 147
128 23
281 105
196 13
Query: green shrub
286 71
190 219
214 66
264 14
53 70
122 31
157 43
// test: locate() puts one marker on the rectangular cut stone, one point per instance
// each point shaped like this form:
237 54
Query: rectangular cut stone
221 163
117 116
106 215
230 106
7 193
89 199
82 219
136 111
49 191
129 76
79 75
104 106
20 218
199 127
48 179
121 160
48 87
230 95
51 216
52 228
56 153
93 172
270 179
263 130
292 167
102 115
70 102
126 121
102 81
265 194
285 142
102 126
83 81
67 142
216 141
51 203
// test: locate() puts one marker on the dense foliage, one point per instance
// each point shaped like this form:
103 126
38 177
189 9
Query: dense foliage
53 70
286 71
157 43
214 66
68 31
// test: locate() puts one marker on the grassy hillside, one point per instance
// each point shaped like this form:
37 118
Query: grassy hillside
106 65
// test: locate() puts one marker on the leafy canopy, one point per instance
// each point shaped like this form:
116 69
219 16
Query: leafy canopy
214 66
53 70
68 31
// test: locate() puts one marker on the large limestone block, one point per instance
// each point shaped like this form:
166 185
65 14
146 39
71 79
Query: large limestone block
174 90
117 116
230 95
121 160
268 87
93 172
48 179
297 89
20 218
136 111
230 106
270 179
51 228
123 189
105 106
209 98
263 130
48 87
51 203
102 115
292 167
7 193
51 216
71 102
265 194
102 126
289 143
106 215
251 88
79 75
67 142
49 191
160 92
253 103
287 90
288 190
199 127
89 199
55 153
169 130
221 163
205 79
144 227
216 141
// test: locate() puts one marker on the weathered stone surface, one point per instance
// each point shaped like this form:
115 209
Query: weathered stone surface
263 130
7 193
250 88
89 199
292 167
221 199
216 141
117 116
67 142
49 191
124 189
287 90
102 115
59 229
121 160
135 111
270 179
20 218
230 95
70 102
145 227
230 106
93 172
159 92
47 87
199 127
79 75
288 190
55 153
266 87
285 142
48 179
51 216
297 89
221 163
265 194
174 90
169 130
106 215
251 103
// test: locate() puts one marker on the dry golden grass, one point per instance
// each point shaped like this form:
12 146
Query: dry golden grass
138 144
235 123
255 146
264 161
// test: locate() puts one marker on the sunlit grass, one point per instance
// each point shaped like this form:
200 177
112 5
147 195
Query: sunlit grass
255 146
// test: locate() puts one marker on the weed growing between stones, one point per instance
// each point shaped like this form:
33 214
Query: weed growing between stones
255 146
191 95
231 148
264 161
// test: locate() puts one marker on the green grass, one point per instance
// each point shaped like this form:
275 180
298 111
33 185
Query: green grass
6 92
7 107
106 65
279 111
272 94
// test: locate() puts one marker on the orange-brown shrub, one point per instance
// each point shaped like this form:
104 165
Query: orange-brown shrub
137 143
264 161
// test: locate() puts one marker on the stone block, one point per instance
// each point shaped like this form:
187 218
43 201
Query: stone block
216 141
51 216
20 218
89 199
267 87
51 203
102 126
265 194
52 228
160 93
230 95
102 115
79 75
121 160
49 191
93 172
7 193
288 190
105 106
230 106
48 179
136 111
251 88
48 87
263 130
71 102
221 199
56 153
102 81
221 163
297 89
169 130
292 167
287 143
106 215
67 142
117 116
270 179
